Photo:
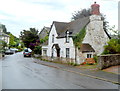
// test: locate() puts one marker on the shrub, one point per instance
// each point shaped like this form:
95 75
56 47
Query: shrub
95 57
37 50
113 47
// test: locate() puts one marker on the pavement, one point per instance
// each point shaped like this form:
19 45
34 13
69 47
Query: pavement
113 69
96 74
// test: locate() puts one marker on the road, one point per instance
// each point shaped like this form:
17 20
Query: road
20 72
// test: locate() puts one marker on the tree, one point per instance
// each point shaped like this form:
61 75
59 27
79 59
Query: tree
113 47
29 37
38 50
80 14
87 12
12 42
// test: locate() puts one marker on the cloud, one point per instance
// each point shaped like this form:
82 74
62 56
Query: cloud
23 14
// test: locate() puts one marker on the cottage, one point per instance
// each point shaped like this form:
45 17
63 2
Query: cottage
3 36
88 32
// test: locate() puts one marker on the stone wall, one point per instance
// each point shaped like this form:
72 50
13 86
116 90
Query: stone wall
58 59
105 61
95 34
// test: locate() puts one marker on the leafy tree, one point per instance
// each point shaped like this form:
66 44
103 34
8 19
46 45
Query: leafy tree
38 50
12 42
80 14
29 36
87 12
3 44
113 47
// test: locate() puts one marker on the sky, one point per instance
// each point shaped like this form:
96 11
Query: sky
18 15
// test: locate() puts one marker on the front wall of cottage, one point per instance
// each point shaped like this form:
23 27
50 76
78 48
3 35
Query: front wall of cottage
50 44
62 44
95 35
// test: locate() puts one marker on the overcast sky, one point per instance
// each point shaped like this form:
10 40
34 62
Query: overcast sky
24 14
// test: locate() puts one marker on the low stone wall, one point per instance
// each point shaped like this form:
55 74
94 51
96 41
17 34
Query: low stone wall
58 59
105 61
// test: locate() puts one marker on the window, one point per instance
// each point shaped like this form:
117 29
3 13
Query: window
67 52
44 52
53 38
89 55
67 37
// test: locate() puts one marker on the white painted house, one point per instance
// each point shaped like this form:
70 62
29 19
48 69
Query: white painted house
3 36
60 43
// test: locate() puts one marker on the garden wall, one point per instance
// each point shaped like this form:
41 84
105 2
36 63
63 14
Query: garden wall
105 61
58 59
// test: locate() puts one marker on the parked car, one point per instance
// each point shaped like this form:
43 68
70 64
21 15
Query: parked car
14 50
27 52
8 52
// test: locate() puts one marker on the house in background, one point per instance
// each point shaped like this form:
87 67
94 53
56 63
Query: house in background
61 44
44 32
43 36
3 36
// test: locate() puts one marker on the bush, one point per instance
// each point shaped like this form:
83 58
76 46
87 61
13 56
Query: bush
113 47
37 50
95 57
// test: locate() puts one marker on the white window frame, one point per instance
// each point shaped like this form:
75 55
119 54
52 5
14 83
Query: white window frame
89 55
67 52
44 52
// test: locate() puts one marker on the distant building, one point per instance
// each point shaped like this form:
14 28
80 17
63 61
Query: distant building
44 32
3 36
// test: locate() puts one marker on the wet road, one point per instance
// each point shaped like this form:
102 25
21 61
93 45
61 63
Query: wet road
22 73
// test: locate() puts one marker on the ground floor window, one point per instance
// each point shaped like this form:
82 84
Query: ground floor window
67 52
89 55
44 52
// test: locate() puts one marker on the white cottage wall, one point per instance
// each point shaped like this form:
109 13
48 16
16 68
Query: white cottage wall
62 44
50 44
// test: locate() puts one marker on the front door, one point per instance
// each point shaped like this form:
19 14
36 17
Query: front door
58 52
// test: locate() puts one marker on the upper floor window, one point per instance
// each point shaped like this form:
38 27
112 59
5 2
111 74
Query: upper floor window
67 37
53 38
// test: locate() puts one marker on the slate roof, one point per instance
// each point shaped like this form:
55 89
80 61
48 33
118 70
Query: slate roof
73 27
44 32
86 48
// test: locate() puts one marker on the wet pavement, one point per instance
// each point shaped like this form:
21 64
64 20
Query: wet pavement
20 72
113 69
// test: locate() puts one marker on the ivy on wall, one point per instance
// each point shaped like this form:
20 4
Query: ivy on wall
78 38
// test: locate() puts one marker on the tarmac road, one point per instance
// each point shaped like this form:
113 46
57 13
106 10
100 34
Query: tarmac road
20 72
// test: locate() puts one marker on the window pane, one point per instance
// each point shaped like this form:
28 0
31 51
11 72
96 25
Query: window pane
52 38
44 52
89 55
67 52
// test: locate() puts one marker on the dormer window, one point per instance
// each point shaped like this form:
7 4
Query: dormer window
53 38
67 36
